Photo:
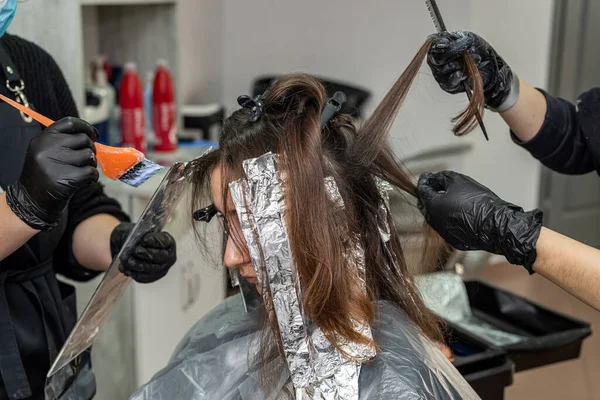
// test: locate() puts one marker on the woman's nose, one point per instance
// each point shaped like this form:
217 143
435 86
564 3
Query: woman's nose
234 256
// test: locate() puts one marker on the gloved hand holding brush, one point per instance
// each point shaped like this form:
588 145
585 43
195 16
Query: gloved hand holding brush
58 162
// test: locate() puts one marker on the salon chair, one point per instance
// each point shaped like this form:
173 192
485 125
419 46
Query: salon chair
202 122
356 97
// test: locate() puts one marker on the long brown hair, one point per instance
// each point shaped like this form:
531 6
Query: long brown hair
290 127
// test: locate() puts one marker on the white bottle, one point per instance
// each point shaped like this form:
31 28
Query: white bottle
109 96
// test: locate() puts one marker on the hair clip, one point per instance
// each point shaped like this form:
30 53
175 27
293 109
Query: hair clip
255 106
333 106
205 214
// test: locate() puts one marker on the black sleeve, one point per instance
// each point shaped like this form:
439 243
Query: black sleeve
569 139
86 203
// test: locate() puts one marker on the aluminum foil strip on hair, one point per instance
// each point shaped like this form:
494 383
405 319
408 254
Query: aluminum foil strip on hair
384 191
259 202
317 369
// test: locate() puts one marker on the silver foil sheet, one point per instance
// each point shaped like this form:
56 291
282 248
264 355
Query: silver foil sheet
317 369
260 206
157 214
384 227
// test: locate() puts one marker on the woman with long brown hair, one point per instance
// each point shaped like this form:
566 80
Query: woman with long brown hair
302 197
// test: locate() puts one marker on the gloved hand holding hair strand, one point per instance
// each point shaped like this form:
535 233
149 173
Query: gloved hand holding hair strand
469 216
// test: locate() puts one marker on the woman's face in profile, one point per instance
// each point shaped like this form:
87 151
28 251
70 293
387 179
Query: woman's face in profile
236 254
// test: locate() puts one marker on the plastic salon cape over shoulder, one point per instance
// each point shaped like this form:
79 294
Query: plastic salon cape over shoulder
211 362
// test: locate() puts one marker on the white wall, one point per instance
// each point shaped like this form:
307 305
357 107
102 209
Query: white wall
43 22
370 44
200 50
367 43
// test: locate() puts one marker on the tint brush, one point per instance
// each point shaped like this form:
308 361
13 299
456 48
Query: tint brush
123 163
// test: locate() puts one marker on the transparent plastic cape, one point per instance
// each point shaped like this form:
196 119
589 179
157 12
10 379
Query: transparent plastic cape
217 360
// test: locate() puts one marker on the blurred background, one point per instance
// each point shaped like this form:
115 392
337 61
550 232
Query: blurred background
215 50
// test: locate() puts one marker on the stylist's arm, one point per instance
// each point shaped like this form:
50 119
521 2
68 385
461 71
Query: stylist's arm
58 162
469 216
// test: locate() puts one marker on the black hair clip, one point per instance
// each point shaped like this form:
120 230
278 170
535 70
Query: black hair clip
205 214
255 106
333 106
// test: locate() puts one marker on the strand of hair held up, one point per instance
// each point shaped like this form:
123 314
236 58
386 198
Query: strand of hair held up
468 119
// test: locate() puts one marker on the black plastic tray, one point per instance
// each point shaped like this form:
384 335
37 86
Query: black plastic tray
551 337
484 366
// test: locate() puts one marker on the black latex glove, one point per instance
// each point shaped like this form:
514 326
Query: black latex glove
58 162
150 260
470 216
445 59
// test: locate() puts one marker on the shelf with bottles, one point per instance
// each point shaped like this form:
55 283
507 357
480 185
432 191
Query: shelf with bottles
130 33
143 34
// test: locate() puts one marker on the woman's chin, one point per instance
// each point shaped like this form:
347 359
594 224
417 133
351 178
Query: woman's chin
252 280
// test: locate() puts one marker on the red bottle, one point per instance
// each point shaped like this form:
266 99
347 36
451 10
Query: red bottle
163 109
131 101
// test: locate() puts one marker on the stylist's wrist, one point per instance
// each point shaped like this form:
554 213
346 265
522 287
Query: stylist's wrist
519 236
527 116
512 95
541 248
12 219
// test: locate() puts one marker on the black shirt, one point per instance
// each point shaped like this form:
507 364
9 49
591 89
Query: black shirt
46 88
40 308
569 139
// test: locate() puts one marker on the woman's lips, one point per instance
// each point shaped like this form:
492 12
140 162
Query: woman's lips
247 272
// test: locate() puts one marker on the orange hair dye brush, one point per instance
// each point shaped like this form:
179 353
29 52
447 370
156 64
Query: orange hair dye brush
123 163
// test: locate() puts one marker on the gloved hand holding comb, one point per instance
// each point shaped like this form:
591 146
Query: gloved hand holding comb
445 58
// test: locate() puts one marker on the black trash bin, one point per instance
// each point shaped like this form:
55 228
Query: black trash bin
484 366
549 337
